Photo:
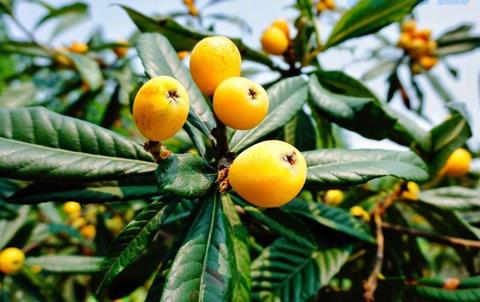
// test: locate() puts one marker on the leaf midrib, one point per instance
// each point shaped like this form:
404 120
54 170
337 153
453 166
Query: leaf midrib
207 250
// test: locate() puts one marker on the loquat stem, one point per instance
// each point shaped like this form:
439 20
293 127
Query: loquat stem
447 240
370 285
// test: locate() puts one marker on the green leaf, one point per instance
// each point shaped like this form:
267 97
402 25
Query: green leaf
134 239
18 96
337 167
467 282
129 188
159 58
301 133
8 229
41 145
368 16
76 7
66 264
364 115
457 41
6 6
183 38
452 198
341 83
88 69
286 97
43 127
447 137
204 267
242 283
26 161
286 271
331 217
437 294
185 175
26 48
281 222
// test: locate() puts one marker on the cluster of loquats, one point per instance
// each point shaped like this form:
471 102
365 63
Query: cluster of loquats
323 5
11 260
276 38
84 222
192 9
419 45
161 108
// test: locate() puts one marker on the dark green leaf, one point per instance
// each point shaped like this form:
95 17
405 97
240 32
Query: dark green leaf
341 83
281 222
286 97
286 271
368 16
134 239
8 229
23 48
204 267
185 175
447 137
452 198
183 38
331 217
129 188
66 264
337 167
438 294
364 115
159 58
301 133
242 283
88 69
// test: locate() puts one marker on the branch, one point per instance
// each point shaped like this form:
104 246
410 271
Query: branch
432 236
371 284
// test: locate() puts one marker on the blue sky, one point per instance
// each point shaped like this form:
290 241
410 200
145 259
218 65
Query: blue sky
436 14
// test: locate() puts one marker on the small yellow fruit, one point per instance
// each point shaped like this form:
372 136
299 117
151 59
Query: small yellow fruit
72 207
412 191
274 41
321 6
424 34
161 108
428 62
333 197
36 269
283 25
182 54
78 47
268 174
88 231
330 4
451 283
359 212
409 26
458 164
193 10
240 103
78 222
405 41
432 47
416 68
213 60
11 260
121 51
418 46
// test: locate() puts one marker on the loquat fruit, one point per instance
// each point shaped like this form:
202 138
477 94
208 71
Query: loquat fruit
283 25
78 47
451 283
409 26
11 260
88 231
458 164
274 41
121 51
161 108
428 62
182 54
213 60
412 191
72 207
240 103
330 4
333 197
268 174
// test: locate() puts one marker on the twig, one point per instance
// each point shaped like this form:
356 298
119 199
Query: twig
370 285
432 236
31 36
